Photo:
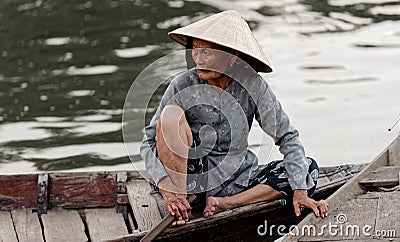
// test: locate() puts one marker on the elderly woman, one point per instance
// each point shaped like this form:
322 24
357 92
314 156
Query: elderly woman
197 140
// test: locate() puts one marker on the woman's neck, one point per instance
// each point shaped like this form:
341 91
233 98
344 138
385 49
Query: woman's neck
221 83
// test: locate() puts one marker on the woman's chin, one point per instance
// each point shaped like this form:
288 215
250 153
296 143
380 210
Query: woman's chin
208 75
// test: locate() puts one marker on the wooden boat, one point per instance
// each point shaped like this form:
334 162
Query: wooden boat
366 208
122 206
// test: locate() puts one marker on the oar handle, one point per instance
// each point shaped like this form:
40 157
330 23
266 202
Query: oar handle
164 223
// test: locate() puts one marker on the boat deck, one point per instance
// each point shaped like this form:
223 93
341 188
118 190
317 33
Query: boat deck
23 225
371 216
365 209
104 206
85 207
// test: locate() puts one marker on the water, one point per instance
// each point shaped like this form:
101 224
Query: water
66 66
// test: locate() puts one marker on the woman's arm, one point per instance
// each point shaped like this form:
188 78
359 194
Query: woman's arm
275 122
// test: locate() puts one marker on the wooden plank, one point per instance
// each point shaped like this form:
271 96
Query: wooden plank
105 223
18 191
327 169
382 176
389 213
322 181
352 189
63 225
384 218
136 174
144 205
356 168
27 225
330 180
82 190
160 204
122 177
339 175
204 229
394 155
122 199
132 224
359 212
349 240
7 232
42 197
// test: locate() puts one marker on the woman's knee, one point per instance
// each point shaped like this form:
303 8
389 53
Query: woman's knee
173 122
171 116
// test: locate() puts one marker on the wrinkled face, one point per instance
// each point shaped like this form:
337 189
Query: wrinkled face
211 61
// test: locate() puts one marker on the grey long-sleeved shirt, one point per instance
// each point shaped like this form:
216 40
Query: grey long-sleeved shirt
224 145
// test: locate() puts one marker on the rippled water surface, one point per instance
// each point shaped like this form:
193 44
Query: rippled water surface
66 67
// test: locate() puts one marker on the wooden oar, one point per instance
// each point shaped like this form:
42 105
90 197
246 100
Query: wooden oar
164 223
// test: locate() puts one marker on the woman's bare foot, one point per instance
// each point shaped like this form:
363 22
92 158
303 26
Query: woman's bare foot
214 205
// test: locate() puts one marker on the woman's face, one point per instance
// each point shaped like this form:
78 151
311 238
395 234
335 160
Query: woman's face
211 61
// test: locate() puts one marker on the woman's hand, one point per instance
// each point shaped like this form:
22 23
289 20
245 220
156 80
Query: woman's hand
301 200
176 203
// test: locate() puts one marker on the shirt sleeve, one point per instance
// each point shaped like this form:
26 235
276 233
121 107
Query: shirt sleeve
275 122
148 148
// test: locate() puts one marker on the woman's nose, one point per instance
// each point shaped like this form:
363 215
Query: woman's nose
198 59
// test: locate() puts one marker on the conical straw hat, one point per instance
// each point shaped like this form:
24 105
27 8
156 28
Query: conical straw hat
228 29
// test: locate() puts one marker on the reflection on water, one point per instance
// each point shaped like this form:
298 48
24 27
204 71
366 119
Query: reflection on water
66 67
342 81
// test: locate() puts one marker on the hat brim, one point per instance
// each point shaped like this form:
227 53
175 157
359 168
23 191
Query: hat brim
253 61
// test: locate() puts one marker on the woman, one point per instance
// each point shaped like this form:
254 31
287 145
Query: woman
197 140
